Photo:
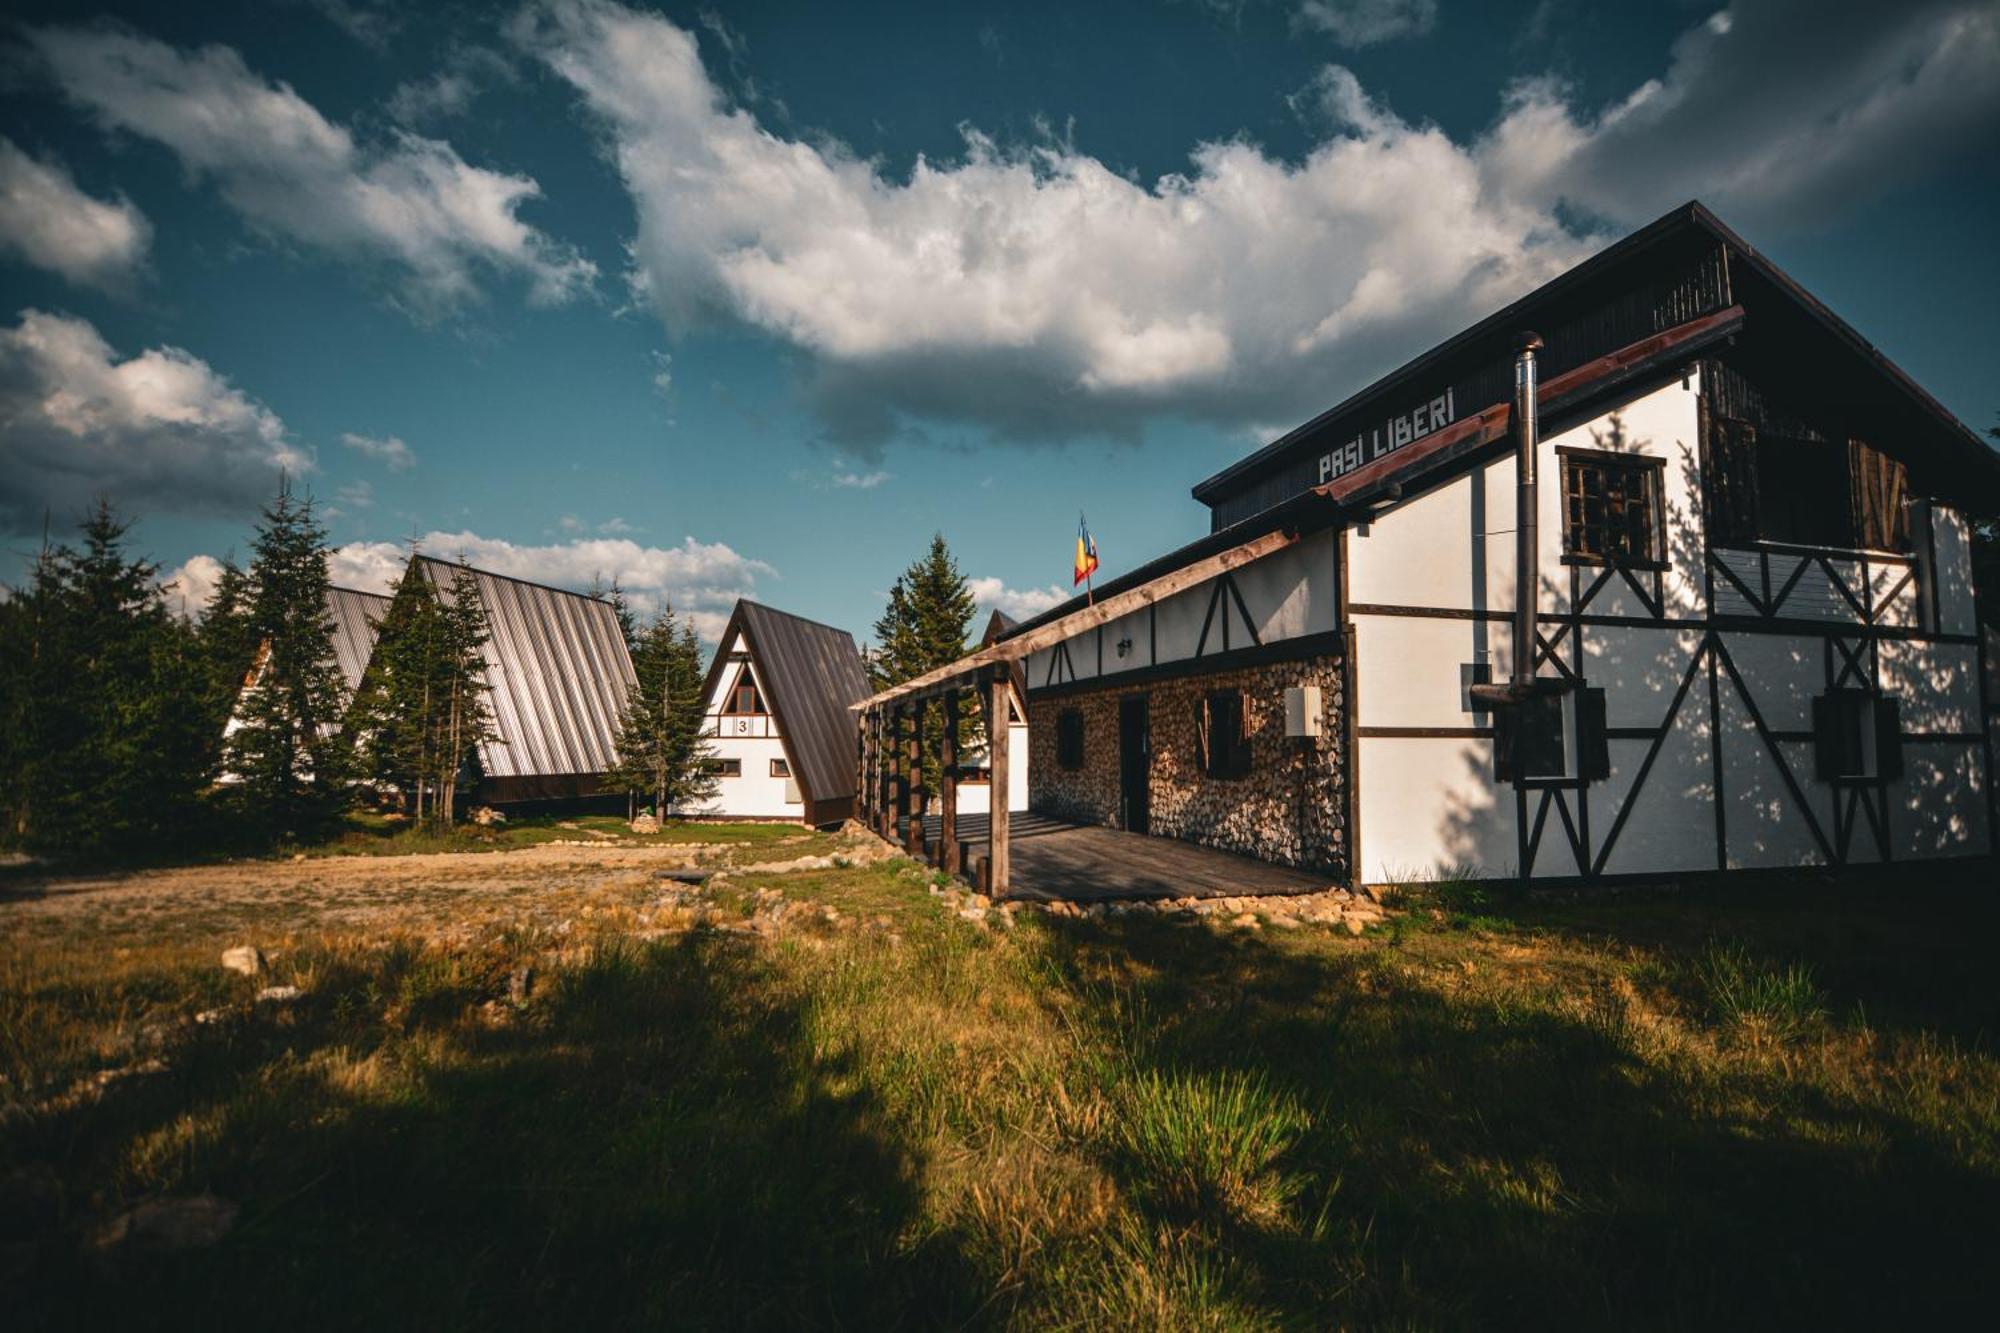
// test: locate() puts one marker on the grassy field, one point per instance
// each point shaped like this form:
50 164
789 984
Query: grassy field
826 1099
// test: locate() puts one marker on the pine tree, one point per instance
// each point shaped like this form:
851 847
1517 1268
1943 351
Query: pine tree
663 755
103 755
227 643
290 754
421 713
925 626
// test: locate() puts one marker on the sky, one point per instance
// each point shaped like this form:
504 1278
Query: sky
750 299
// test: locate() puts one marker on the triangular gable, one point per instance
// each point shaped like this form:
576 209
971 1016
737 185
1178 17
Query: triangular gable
809 675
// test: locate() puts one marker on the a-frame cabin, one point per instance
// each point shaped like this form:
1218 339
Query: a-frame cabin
779 693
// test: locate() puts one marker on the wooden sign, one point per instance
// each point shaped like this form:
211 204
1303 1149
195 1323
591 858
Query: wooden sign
1391 435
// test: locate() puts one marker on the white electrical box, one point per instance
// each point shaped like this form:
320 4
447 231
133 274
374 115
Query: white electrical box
1302 711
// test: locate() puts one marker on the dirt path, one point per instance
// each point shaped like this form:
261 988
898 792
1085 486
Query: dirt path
421 892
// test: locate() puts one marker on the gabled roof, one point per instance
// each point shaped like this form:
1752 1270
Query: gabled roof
810 673
1787 328
355 617
557 671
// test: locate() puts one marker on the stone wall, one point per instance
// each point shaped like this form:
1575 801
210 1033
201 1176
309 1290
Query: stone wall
1287 809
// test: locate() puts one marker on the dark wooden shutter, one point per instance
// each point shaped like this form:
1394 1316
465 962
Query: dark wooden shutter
1881 521
1593 747
1201 744
1506 732
1888 738
1731 482
1826 737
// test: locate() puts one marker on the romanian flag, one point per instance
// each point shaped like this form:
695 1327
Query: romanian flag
1086 553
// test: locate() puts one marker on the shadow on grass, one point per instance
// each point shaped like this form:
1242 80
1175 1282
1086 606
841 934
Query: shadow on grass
1500 1161
661 1143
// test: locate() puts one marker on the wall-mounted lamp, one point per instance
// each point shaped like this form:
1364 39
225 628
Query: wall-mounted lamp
1124 647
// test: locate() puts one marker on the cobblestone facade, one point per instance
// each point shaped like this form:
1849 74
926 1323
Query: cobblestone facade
1288 809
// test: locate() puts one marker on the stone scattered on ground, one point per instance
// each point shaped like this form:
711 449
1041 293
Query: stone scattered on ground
278 994
244 958
645 824
521 984
168 1225
486 815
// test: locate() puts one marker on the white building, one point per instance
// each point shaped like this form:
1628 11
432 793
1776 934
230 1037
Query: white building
1748 584
778 697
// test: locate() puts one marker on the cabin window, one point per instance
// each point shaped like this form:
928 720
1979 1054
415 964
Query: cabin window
1764 486
1222 740
743 696
780 769
1552 736
1857 736
726 768
1069 739
1611 509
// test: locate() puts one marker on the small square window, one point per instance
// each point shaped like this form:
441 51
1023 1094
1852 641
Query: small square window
780 769
1611 508
1857 736
1069 739
726 768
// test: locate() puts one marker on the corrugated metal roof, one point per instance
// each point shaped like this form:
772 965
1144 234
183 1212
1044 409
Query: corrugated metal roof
811 673
557 671
354 618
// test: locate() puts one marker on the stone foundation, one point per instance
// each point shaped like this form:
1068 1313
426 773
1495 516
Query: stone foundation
1288 809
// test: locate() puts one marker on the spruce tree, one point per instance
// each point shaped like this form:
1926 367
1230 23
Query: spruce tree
228 644
663 756
924 627
421 713
290 755
103 754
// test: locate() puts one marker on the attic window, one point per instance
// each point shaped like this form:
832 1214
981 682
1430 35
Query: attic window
743 696
1793 489
1611 509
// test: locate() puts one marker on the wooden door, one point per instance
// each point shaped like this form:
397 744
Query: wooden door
1135 765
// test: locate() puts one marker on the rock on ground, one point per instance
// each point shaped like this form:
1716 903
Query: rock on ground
169 1224
244 958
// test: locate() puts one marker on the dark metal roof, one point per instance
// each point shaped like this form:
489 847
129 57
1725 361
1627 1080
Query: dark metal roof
810 674
1867 374
558 675
355 616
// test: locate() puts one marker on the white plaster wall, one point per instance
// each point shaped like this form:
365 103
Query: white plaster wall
756 794
1429 809
976 798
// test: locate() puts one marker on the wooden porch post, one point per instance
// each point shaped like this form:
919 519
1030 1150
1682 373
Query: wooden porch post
861 736
913 832
996 792
948 788
900 820
885 810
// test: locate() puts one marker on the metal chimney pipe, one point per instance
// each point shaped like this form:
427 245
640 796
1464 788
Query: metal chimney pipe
1527 549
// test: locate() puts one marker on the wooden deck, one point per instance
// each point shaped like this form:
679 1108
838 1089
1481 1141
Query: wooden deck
1083 863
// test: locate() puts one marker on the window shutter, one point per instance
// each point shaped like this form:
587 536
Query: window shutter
1201 734
1826 737
1505 730
1888 738
1593 747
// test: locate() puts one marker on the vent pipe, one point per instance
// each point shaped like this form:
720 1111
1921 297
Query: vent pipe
1527 550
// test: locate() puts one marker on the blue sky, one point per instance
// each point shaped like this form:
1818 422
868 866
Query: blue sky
750 299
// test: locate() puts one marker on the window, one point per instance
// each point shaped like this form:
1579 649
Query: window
1857 737
1797 490
1611 508
726 768
1222 738
1553 735
780 769
1069 739
743 696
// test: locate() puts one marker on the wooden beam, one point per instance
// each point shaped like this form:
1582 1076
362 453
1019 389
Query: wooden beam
997 733
886 810
948 788
1104 612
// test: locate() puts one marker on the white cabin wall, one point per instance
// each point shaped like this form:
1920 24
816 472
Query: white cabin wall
754 741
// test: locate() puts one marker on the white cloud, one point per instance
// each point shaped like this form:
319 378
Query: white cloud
160 430
367 24
702 579
191 588
388 449
408 202
46 220
1042 293
860 481
450 92
1358 23
356 495
993 594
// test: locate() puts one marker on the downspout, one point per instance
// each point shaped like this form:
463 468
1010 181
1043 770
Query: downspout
1527 547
